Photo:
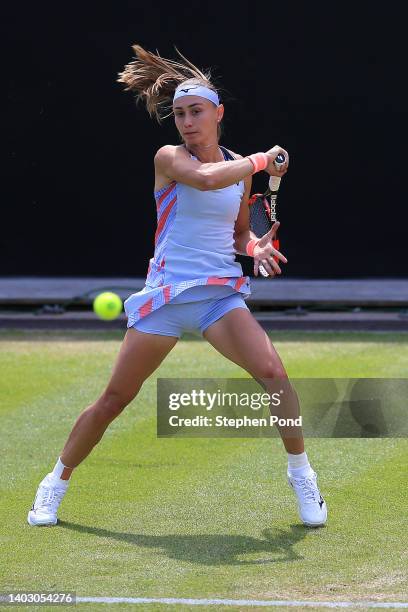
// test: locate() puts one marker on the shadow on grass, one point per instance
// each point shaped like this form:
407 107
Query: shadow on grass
217 549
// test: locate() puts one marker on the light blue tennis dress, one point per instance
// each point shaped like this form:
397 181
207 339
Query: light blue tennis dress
193 278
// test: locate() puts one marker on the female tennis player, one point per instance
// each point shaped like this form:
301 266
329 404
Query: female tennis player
193 281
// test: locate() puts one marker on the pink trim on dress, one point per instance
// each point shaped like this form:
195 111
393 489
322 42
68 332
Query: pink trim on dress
165 194
166 293
240 282
146 308
163 219
215 280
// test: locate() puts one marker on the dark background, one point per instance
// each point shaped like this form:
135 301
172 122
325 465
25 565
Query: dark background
324 80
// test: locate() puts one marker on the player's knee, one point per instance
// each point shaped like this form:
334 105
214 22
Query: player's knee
110 405
271 371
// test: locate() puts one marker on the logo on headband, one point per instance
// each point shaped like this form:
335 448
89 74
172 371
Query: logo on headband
188 88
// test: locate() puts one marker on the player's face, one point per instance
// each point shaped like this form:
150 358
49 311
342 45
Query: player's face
196 119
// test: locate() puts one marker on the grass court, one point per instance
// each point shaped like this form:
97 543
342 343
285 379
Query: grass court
195 518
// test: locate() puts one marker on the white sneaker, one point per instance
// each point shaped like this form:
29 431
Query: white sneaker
312 507
48 498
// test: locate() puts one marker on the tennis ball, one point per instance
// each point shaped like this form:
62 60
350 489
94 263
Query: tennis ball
107 306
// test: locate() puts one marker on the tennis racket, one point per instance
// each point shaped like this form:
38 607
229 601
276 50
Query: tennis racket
262 210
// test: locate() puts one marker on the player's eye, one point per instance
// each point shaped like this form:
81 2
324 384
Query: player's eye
194 112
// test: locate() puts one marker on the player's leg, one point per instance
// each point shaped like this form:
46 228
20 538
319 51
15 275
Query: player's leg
239 337
139 356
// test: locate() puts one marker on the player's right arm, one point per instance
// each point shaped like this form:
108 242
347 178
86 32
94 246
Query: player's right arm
175 163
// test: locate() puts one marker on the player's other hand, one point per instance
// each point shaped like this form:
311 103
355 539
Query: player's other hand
273 154
266 254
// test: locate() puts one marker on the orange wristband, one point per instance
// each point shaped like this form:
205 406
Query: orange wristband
251 246
259 161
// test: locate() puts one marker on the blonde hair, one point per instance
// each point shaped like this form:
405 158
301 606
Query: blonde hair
154 80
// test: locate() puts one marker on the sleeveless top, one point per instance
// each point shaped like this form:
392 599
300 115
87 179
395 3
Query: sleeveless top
193 245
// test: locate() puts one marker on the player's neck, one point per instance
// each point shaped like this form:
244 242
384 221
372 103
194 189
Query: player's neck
206 153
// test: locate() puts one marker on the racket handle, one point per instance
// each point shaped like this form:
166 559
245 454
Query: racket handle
274 181
279 161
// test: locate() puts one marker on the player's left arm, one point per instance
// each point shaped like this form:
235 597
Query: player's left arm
242 233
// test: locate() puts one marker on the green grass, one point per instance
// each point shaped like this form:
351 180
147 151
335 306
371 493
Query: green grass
195 517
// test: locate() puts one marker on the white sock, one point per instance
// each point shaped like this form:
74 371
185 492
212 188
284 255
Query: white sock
298 465
57 472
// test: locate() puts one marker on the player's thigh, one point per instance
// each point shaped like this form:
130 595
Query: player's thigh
238 336
139 356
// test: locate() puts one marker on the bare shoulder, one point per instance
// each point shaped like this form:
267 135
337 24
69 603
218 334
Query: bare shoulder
163 154
163 162
167 153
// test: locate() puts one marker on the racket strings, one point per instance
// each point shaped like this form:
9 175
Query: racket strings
259 215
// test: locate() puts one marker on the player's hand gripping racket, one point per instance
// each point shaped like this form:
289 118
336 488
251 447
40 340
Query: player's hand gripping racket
262 211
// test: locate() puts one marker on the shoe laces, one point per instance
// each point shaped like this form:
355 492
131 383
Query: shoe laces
307 487
49 497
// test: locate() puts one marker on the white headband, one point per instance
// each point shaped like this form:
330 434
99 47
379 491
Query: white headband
197 90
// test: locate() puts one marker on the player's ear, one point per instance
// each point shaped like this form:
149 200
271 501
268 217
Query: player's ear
220 113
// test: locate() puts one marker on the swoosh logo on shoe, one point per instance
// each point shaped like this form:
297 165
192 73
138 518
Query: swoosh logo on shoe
321 502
